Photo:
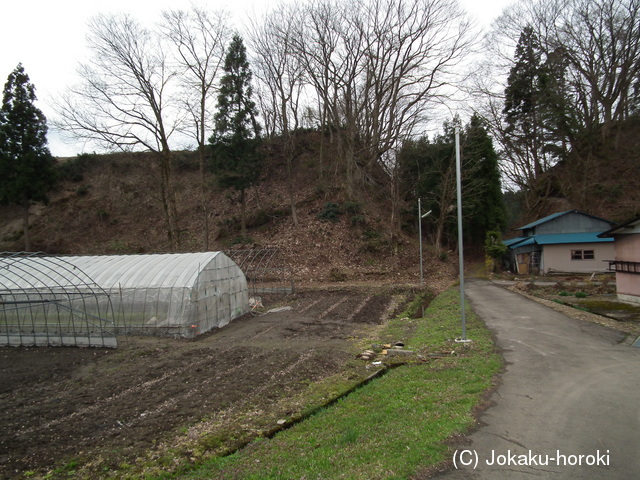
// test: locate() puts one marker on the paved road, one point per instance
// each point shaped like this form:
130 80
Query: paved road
570 388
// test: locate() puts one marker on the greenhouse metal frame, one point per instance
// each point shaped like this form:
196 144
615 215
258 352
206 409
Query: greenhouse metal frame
47 301
264 269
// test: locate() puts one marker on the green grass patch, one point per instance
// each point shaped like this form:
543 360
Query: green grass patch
611 306
391 427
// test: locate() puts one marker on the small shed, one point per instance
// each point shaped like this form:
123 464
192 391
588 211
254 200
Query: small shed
53 300
626 262
565 242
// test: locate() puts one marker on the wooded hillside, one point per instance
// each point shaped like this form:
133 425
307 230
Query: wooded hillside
319 131
110 204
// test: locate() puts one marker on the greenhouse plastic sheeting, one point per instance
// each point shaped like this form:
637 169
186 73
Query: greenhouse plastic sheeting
163 294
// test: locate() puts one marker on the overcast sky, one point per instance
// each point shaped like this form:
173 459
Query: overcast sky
48 37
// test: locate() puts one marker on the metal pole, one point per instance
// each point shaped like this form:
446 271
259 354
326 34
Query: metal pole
420 238
460 251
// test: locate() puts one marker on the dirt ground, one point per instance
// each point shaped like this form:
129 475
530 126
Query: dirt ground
66 403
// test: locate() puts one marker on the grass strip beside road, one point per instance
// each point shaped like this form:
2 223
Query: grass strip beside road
393 427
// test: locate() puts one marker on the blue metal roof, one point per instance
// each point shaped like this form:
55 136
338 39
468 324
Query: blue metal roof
519 242
513 241
556 239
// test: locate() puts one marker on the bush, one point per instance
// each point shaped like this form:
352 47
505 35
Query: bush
331 212
242 240
337 275
357 220
258 219
374 242
353 208
73 169
228 227
186 162
493 245
82 190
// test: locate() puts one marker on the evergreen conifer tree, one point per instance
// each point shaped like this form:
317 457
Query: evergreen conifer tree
237 159
486 210
538 115
523 98
430 173
26 166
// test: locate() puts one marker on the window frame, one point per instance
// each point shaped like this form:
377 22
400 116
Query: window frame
583 254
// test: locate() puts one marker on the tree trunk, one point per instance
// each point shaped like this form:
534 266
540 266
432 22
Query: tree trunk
169 200
347 148
243 215
25 226
203 199
165 207
438 236
395 203
290 185
292 203
321 158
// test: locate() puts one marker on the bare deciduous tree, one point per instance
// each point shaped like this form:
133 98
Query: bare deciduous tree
124 101
327 45
411 51
600 40
281 76
200 39
377 66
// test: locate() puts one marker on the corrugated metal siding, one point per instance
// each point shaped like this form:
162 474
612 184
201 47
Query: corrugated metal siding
543 220
570 221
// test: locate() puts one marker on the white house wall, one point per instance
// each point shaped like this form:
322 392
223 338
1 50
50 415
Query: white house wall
628 284
560 257
627 247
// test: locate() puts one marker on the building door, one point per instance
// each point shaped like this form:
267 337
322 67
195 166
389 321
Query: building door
522 263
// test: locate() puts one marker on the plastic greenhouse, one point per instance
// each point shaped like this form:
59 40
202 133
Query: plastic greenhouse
88 300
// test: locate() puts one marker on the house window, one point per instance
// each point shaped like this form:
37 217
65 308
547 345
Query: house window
583 255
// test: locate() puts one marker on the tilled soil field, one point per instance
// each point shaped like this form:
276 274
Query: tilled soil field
61 403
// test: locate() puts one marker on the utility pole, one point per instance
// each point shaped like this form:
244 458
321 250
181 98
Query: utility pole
420 217
460 243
